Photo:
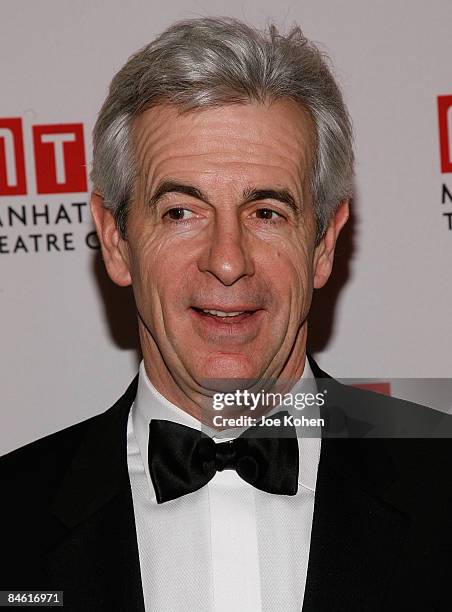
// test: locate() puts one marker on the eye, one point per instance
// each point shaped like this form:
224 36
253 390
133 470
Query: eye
179 214
267 214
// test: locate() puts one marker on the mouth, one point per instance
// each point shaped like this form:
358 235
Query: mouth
229 316
238 322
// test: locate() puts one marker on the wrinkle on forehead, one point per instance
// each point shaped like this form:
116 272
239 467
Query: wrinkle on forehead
239 140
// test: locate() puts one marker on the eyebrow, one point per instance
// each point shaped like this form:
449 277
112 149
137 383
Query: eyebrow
281 195
175 187
249 194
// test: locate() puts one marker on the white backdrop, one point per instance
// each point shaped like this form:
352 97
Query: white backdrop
68 336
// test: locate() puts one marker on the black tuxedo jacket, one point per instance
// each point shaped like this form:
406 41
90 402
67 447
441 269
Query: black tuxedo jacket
381 534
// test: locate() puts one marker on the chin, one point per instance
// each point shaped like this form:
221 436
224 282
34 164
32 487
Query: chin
227 367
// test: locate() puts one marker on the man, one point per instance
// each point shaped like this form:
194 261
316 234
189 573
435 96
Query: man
222 175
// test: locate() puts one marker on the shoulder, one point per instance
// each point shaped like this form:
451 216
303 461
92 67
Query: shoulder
43 463
30 477
34 477
360 413
48 455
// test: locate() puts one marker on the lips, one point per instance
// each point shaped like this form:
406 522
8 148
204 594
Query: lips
222 313
230 316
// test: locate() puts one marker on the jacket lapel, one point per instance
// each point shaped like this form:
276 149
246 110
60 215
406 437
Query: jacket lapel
356 537
356 534
96 561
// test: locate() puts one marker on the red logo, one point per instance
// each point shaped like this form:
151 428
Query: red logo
445 132
384 388
12 159
59 157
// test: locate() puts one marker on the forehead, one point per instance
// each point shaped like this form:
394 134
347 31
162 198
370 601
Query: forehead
235 142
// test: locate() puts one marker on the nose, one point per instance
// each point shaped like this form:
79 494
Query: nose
226 254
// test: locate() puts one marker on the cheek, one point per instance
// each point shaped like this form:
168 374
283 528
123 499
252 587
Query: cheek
160 278
291 267
293 278
146 274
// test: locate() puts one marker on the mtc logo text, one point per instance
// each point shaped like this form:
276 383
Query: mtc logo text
59 158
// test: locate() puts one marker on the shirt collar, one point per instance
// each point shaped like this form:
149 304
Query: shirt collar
150 404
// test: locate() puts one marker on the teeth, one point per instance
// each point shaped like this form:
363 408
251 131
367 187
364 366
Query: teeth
220 313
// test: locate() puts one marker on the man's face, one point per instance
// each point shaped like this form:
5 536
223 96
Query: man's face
220 245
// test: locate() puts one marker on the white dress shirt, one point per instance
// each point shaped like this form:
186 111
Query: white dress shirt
227 546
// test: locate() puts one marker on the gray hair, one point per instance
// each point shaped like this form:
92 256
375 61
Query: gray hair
209 62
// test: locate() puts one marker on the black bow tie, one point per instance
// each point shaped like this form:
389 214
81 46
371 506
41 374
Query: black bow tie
182 459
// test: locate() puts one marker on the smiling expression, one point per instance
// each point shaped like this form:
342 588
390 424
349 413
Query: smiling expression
220 245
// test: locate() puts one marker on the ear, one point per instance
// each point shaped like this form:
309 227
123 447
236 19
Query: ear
324 251
114 247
